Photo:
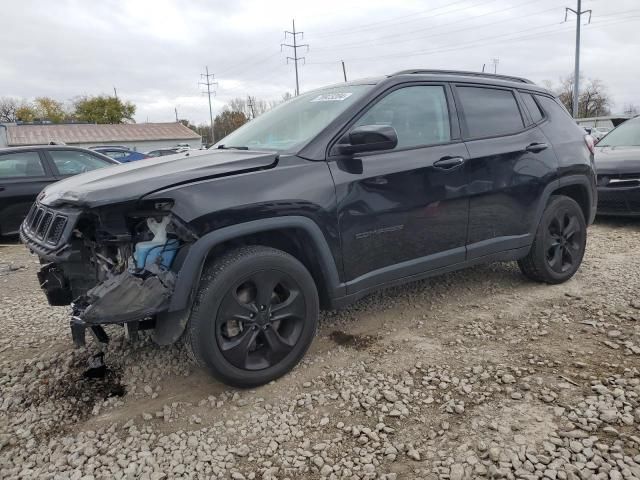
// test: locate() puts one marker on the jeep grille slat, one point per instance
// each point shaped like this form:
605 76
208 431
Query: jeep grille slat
44 225
56 230
36 219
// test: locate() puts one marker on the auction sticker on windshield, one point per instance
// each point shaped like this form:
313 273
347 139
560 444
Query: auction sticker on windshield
332 97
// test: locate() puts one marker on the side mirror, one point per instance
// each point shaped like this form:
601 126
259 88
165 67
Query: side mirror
369 138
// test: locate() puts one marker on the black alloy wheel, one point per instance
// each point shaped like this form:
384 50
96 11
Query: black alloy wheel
260 320
559 243
254 316
564 241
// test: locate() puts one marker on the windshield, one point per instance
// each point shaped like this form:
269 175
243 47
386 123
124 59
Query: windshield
294 122
626 134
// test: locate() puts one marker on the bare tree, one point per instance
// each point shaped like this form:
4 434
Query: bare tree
593 99
631 109
8 109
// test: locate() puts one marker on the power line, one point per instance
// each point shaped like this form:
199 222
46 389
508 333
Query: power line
295 46
394 21
251 104
412 37
576 76
495 62
475 43
209 82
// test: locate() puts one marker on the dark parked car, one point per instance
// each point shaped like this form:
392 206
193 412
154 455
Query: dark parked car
121 154
314 204
25 171
618 165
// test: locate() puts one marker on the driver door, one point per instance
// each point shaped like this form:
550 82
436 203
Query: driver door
403 212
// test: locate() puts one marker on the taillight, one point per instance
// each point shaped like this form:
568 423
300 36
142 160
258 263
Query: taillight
591 143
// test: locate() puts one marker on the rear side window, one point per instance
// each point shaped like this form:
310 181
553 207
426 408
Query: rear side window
21 164
532 107
552 107
490 112
419 115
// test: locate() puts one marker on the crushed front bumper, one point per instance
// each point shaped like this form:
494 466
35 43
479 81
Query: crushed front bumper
128 298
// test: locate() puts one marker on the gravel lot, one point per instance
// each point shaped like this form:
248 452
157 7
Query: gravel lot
476 374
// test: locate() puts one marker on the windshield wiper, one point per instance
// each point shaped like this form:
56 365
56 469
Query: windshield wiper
225 147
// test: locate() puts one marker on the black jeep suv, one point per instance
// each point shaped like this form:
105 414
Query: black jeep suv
334 194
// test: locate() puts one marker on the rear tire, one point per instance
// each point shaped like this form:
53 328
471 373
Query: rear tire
559 243
254 317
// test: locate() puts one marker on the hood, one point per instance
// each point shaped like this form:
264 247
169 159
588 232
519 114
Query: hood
130 181
617 160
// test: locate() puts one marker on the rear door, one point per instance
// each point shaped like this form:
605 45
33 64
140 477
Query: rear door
403 211
510 163
23 174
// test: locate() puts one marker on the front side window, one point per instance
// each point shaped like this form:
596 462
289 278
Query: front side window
69 162
296 122
626 134
490 112
419 114
21 164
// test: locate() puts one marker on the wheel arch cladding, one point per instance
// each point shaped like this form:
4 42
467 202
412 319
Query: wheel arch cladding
580 193
277 232
577 187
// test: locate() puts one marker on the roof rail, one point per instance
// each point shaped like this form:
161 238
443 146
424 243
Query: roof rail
466 74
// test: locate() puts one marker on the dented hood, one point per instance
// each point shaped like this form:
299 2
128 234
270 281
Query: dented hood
130 181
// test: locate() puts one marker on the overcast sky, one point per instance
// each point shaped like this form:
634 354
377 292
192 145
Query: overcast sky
153 51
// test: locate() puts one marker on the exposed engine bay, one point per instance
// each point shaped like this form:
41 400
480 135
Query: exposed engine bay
113 265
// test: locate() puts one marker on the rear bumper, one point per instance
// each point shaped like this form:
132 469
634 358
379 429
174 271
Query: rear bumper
624 201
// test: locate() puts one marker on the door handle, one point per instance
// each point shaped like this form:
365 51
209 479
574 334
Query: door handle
447 163
536 147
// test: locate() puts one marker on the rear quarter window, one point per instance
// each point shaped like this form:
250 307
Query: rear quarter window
532 107
553 108
489 112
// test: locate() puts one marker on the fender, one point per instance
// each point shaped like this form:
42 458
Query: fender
555 185
191 269
171 323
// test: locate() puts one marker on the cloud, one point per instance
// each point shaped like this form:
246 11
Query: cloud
153 52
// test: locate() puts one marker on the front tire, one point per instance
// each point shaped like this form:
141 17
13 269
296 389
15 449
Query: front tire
255 316
559 243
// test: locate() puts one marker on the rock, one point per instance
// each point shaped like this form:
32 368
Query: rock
457 472
413 454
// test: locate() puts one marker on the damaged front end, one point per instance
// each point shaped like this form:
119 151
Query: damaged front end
114 265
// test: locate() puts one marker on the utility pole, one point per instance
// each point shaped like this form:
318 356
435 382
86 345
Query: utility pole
483 65
576 74
250 103
495 62
176 110
209 82
295 47
115 92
